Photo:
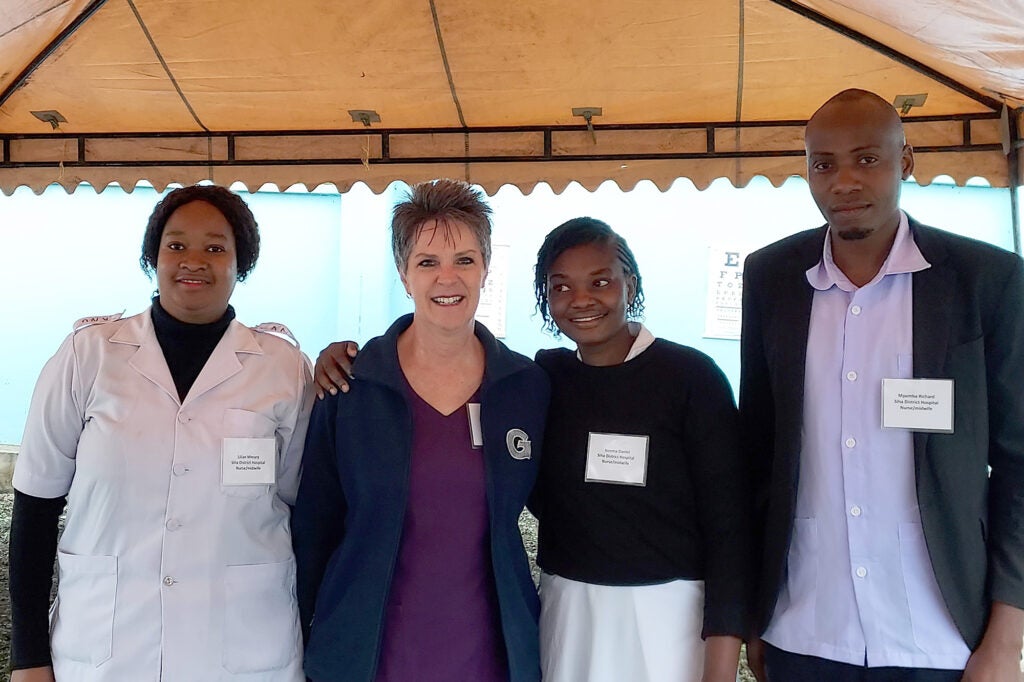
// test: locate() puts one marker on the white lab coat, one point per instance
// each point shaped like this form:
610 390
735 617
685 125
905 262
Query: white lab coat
165 573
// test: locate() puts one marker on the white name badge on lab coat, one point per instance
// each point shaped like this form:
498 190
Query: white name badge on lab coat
617 458
918 404
248 461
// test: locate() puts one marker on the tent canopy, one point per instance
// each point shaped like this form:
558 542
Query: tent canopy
258 91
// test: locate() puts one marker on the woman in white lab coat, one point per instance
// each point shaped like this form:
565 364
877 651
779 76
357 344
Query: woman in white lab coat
175 438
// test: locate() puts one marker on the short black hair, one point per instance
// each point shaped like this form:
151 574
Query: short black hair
577 232
231 206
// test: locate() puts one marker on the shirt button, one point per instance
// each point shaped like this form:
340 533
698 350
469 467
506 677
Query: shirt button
852 376
179 469
850 442
168 580
861 572
173 524
855 309
855 511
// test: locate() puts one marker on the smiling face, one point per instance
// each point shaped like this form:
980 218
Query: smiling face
444 274
588 294
856 160
196 265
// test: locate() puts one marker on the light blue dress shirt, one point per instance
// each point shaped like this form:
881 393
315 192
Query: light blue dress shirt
860 586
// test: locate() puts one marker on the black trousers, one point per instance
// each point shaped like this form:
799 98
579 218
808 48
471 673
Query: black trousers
784 666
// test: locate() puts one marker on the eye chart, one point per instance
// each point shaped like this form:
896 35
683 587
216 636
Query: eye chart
725 292
491 311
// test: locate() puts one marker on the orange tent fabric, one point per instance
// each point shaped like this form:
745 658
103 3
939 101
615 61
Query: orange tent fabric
259 91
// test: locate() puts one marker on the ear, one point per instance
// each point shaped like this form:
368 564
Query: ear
483 280
405 283
907 161
630 290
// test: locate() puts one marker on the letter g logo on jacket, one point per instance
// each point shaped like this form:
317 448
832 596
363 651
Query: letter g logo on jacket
518 444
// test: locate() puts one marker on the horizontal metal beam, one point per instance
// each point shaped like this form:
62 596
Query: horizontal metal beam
362 132
683 156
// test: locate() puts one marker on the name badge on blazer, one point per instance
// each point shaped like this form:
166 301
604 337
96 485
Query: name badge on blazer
248 461
918 405
617 458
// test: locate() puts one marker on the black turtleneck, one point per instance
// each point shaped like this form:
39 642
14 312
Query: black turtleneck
186 346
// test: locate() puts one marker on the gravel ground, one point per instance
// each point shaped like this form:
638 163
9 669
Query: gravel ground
6 502
527 523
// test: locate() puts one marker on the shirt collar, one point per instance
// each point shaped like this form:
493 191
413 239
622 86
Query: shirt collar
642 340
904 257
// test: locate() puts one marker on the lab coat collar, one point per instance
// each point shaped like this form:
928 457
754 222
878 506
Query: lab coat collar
149 359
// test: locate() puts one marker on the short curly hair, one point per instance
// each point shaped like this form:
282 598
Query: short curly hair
231 206
577 232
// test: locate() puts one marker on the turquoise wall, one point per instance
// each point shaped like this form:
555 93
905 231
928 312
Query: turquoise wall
326 269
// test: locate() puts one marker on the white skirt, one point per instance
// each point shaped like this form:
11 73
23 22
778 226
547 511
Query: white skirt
612 633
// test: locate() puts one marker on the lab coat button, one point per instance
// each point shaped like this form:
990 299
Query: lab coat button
168 580
184 418
173 524
179 469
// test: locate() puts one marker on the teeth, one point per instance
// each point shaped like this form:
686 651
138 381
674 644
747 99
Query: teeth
447 300
586 319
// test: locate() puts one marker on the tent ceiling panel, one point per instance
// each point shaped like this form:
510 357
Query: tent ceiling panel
793 65
26 26
978 42
259 90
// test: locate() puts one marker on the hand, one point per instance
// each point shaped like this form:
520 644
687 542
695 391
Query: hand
44 674
991 665
334 367
997 658
721 658
755 659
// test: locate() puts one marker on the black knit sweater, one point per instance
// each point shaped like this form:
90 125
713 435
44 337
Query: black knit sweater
690 520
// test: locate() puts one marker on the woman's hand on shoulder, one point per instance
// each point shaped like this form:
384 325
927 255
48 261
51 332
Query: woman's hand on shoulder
334 368
44 674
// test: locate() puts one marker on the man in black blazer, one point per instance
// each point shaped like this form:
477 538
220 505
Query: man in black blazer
962 316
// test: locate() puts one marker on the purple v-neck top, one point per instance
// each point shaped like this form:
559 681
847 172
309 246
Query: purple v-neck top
442 621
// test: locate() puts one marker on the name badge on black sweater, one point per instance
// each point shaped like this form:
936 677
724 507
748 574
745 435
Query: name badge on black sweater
617 458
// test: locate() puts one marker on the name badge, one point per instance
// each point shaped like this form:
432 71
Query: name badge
918 404
248 461
476 432
617 458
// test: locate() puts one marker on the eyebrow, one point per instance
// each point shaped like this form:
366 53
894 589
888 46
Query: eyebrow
212 235
458 254
602 271
863 148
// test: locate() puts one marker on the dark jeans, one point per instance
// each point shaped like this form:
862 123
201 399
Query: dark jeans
786 667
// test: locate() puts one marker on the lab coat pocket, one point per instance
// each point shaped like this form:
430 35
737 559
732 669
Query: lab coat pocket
261 619
82 622
240 423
